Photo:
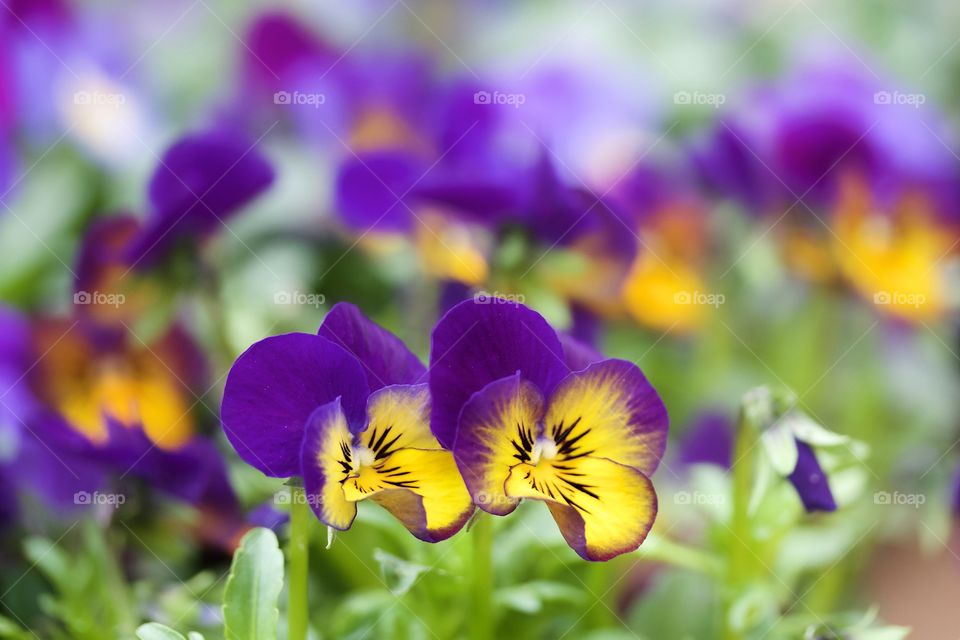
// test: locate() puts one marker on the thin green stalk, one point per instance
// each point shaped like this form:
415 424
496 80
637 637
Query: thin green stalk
481 618
658 549
743 566
298 559
598 581
742 559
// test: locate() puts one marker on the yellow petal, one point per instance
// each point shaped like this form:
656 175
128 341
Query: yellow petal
603 509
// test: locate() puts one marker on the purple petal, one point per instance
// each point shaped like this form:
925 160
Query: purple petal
383 355
729 162
452 293
371 189
493 420
811 482
478 342
324 452
586 325
577 354
278 48
611 411
194 473
709 440
272 389
54 473
202 179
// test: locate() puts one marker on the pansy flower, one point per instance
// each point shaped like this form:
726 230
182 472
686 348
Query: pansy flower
348 412
88 387
791 444
104 405
523 424
868 183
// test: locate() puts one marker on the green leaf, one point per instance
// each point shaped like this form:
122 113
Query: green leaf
157 631
253 587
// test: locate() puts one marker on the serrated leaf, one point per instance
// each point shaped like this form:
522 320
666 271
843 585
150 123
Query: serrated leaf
253 587
157 631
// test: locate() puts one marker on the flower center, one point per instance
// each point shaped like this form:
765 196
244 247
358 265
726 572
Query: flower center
544 448
362 457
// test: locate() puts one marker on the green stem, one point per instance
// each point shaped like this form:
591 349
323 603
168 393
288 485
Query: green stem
298 559
659 549
741 559
755 411
481 618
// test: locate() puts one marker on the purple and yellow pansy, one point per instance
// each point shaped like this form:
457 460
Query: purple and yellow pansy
348 411
861 186
105 405
525 421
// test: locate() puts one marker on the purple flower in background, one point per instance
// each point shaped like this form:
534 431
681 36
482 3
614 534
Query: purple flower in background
708 440
201 181
82 414
729 161
279 50
820 126
37 15
88 393
810 481
791 445
347 411
522 424
28 464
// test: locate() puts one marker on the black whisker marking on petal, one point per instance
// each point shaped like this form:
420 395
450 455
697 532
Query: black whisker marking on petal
525 446
579 486
573 504
385 450
402 484
560 434
383 436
